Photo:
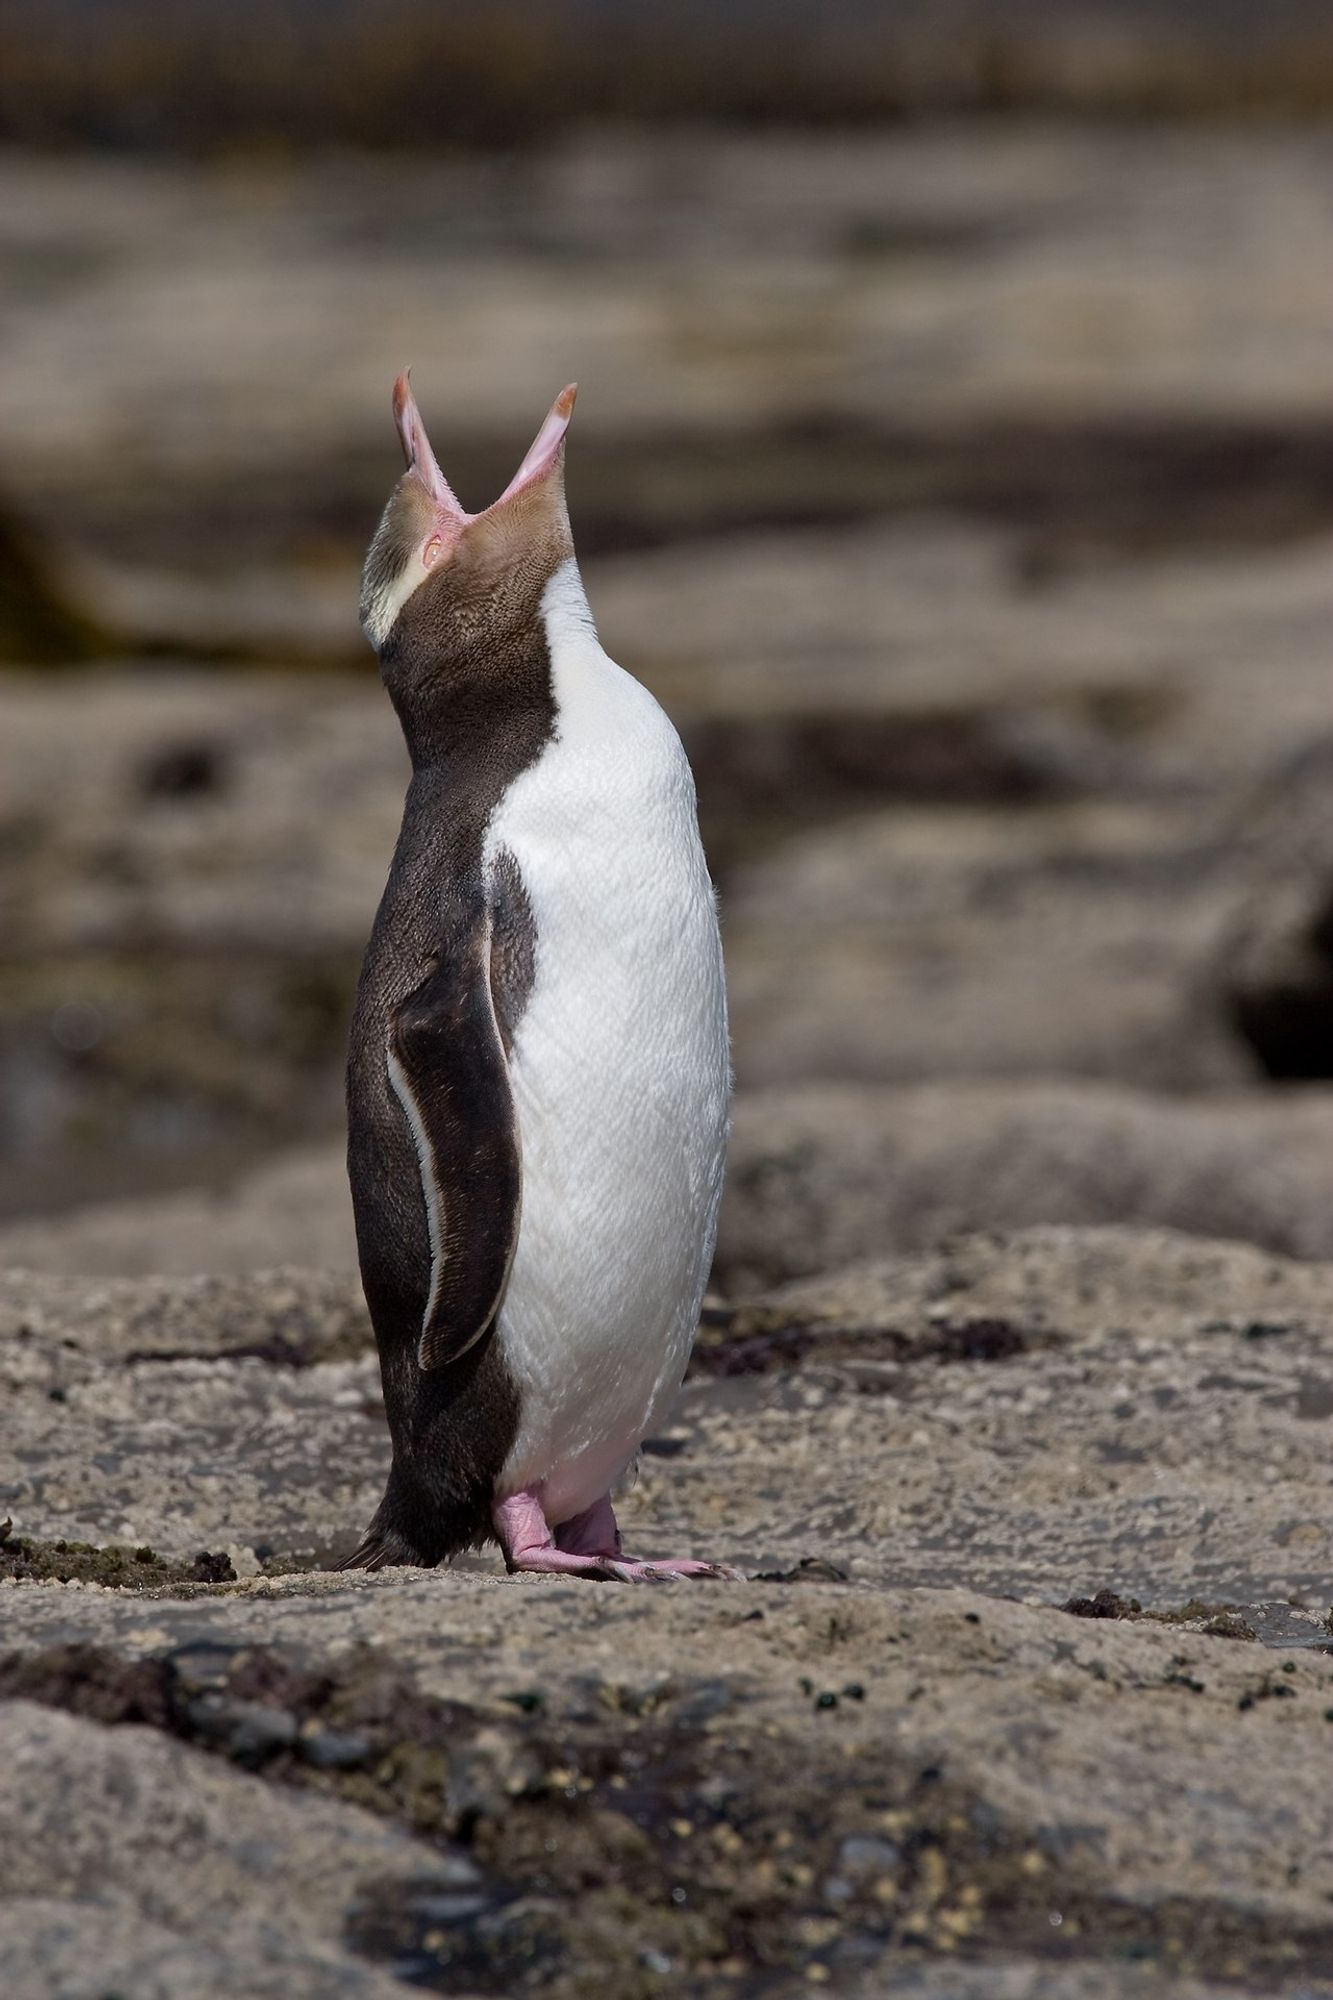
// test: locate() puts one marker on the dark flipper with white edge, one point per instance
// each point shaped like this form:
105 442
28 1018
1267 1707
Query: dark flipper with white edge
448 1070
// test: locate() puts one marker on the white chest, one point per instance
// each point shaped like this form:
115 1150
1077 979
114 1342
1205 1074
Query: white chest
620 1072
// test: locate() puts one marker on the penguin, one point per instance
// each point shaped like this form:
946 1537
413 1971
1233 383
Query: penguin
539 1067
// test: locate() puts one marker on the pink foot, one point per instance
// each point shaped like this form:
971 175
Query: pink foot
589 1545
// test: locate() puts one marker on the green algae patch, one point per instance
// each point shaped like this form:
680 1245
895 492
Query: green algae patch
117 1566
1214 1621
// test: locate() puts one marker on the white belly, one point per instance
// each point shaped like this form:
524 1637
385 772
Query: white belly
620 1073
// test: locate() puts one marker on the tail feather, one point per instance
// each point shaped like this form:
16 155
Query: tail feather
381 1548
413 1527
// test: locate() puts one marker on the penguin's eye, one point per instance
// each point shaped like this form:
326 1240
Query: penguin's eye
430 555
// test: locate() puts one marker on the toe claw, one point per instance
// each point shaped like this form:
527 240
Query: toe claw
667 1570
620 1572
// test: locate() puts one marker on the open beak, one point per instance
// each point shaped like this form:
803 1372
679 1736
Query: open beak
542 457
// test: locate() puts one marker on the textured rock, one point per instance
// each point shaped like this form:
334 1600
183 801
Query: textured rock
187 1455
1049 1412
61 1330
818 1174
274 836
1036 1413
1051 1979
905 945
67 1949
177 1411
869 1750
822 1174
949 273
1273 970
126 1857
294 1208
955 1771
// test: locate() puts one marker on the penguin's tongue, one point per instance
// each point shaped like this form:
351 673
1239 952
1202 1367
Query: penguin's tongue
416 449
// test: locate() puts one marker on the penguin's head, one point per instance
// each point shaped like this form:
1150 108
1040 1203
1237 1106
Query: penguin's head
441 586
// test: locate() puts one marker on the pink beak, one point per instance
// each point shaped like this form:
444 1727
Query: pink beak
541 453
416 448
541 456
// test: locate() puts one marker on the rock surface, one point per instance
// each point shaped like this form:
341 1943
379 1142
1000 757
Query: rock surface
119 1845
1274 963
903 947
821 1174
870 1776
944 272
818 1175
888 1751
294 1208
1049 1412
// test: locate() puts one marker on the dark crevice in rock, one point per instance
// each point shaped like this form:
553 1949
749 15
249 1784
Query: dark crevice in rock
306 1348
41 624
183 770
1286 1022
764 779
757 1339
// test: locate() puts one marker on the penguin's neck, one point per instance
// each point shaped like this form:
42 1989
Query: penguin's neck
579 667
513 699
567 616
507 707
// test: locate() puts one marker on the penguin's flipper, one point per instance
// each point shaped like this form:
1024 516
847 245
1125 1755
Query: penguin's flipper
448 1070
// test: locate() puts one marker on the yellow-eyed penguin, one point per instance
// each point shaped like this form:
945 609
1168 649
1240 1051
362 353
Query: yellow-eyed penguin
539 1073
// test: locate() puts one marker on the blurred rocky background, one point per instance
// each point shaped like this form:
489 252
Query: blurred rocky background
954 460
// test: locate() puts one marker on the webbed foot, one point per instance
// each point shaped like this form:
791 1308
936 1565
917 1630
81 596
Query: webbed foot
587 1545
